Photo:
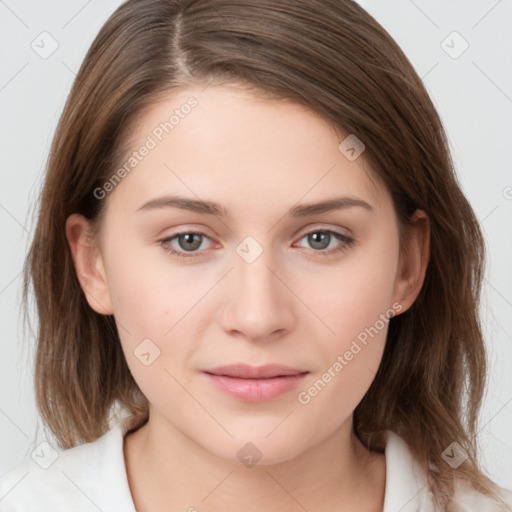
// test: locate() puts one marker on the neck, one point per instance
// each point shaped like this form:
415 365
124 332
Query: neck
166 469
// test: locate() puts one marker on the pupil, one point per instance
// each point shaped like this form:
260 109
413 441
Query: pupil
317 241
189 239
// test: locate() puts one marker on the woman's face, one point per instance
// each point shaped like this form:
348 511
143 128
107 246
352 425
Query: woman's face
268 281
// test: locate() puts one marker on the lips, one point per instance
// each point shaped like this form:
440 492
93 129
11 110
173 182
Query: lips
255 383
245 371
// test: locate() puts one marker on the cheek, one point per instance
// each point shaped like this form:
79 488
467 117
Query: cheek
158 307
352 296
149 292
351 356
355 303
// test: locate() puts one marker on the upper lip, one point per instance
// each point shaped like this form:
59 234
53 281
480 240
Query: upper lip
245 371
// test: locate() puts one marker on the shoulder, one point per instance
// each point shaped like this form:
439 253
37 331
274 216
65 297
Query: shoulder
88 477
468 499
407 486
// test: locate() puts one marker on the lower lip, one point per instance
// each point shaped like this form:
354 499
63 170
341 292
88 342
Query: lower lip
255 390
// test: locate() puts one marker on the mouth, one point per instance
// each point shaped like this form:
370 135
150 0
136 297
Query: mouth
255 384
245 371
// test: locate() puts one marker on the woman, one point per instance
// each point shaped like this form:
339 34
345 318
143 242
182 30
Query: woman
317 346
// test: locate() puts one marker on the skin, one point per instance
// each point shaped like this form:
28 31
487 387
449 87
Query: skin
291 305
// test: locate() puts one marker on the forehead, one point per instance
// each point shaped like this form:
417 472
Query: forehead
225 143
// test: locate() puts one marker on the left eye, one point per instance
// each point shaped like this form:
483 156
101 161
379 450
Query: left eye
319 239
190 241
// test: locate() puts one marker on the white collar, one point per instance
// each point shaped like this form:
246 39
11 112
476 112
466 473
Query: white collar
406 487
93 476
406 483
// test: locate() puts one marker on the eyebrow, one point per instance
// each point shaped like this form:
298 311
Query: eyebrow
212 208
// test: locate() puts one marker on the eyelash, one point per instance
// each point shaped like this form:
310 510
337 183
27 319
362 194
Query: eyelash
348 242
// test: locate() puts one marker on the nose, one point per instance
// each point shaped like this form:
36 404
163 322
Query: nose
259 303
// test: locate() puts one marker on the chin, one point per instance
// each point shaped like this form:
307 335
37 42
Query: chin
258 449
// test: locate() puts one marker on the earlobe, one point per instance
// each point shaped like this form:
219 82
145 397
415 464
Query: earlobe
88 262
413 261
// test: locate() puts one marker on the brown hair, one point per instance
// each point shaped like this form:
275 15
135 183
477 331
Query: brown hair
335 59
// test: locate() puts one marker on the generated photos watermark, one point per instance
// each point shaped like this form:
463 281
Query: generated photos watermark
156 136
342 360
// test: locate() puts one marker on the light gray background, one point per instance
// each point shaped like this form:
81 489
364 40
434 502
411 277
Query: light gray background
473 94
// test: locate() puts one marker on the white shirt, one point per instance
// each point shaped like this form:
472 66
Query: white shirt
92 477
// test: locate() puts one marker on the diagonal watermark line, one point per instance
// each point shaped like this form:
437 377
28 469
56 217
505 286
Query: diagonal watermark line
81 82
81 491
198 402
68 68
424 14
498 498
12 488
494 416
116 320
13 423
193 306
13 218
217 216
307 192
2 2
301 300
485 15
492 211
423 77
216 487
490 284
492 81
76 14
209 83
14 76
279 423
10 282
507 505
412 498
286 491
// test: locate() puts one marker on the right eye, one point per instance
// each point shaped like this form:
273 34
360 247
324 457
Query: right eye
189 241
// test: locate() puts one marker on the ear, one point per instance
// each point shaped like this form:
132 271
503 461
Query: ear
89 265
413 261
